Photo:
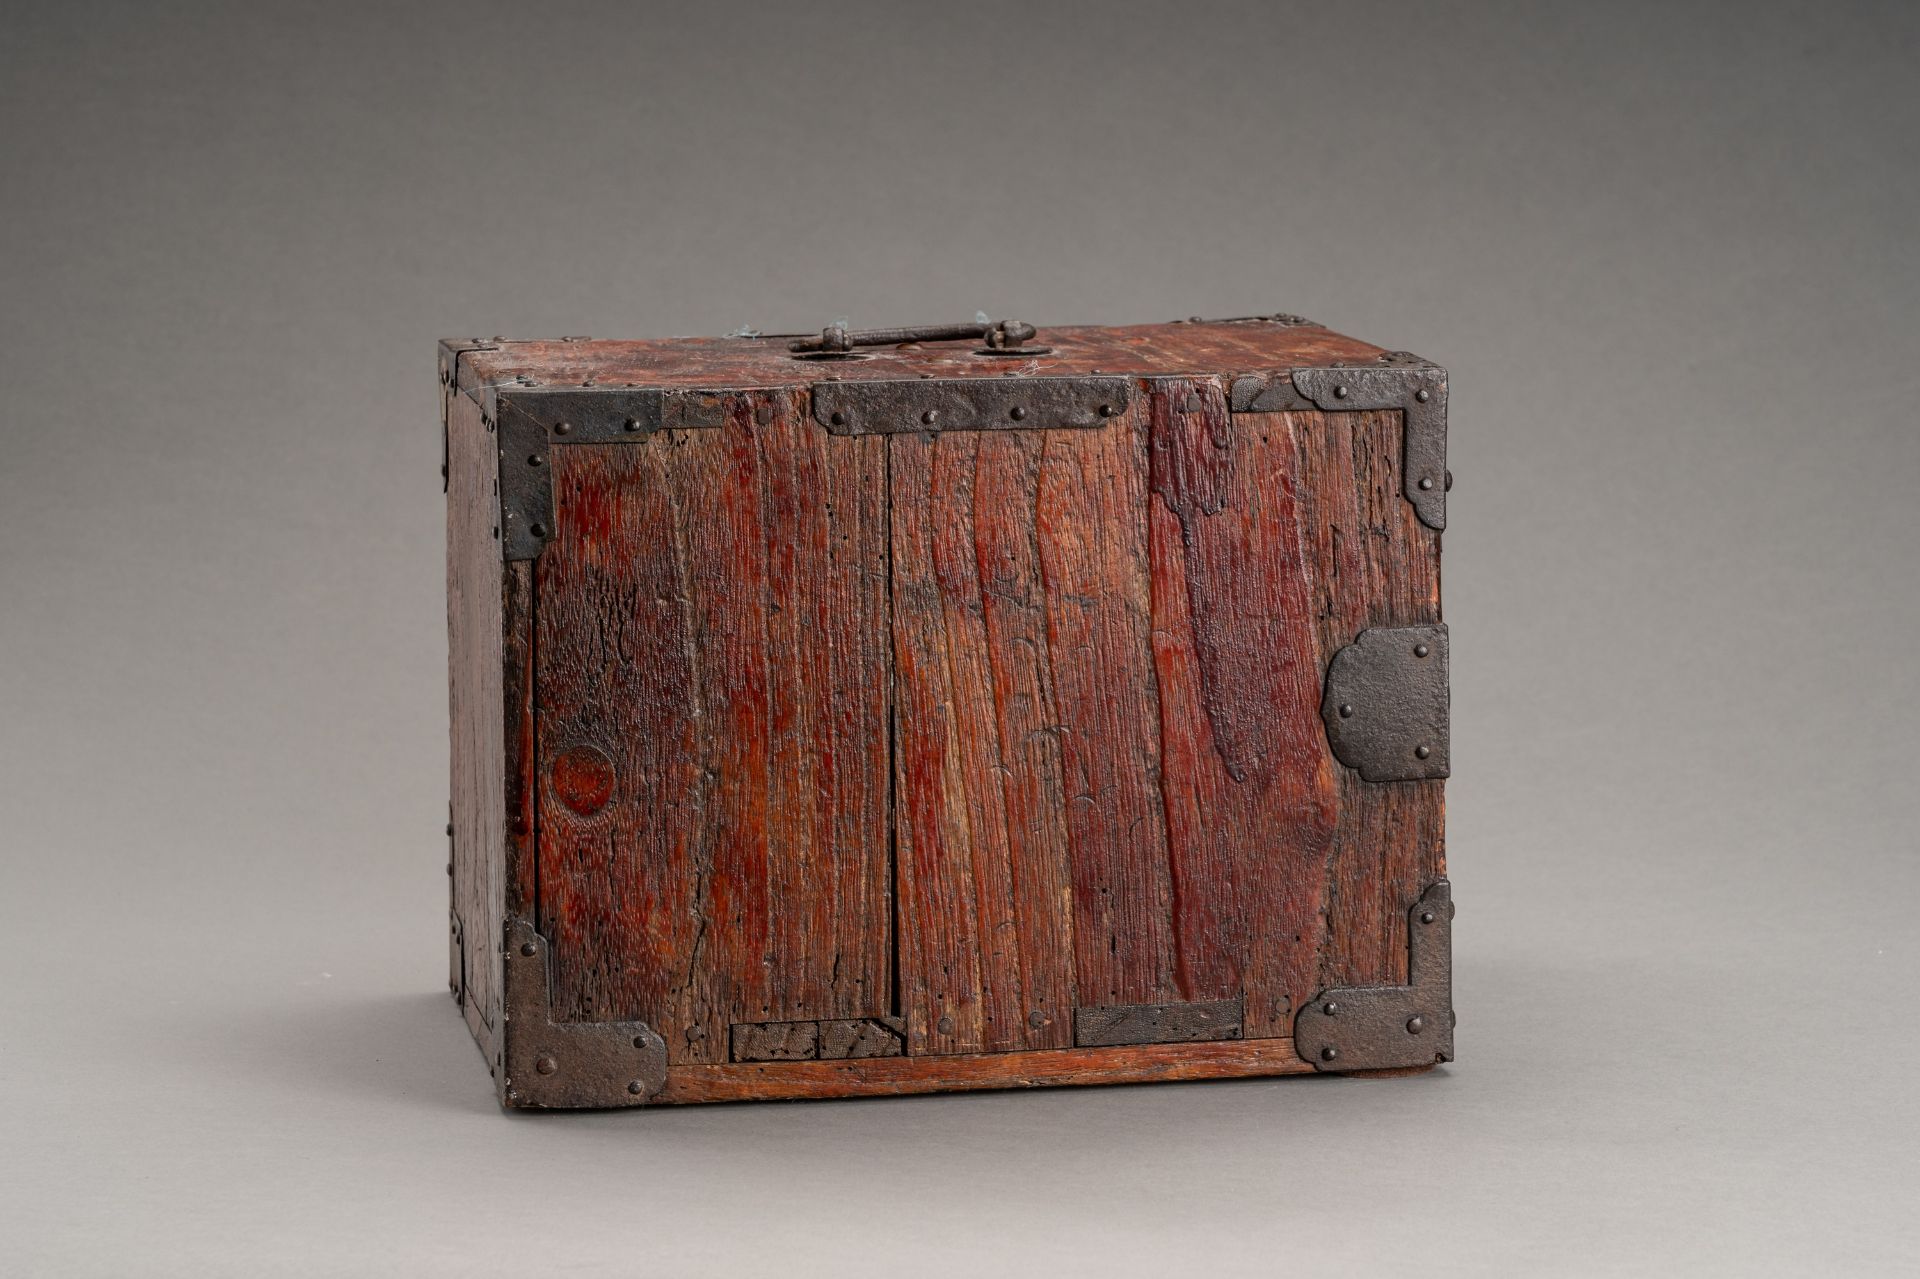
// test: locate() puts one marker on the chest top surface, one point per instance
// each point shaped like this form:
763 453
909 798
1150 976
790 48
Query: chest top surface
1198 347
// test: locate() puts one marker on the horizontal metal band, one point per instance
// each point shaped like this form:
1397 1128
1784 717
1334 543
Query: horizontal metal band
1157 1023
903 406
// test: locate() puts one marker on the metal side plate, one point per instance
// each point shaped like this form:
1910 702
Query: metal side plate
1386 704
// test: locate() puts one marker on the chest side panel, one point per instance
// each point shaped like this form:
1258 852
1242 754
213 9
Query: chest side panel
712 689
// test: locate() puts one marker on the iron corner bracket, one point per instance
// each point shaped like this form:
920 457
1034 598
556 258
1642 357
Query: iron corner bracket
1399 381
530 421
1387 706
549 1065
1390 1027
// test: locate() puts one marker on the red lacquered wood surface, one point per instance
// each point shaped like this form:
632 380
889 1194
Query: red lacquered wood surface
712 637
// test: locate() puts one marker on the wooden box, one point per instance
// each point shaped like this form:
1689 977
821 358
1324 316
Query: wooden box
938 709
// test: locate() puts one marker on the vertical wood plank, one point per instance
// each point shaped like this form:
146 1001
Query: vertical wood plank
712 689
1250 784
1372 563
1092 532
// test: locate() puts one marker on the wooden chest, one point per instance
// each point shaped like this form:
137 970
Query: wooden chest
937 709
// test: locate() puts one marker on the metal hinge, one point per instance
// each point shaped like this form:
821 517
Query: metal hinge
1390 1027
1386 705
1397 380
563 1065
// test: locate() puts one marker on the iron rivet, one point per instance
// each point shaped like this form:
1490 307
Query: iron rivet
563 428
1019 412
1449 481
1036 1019
764 414
631 424
1421 752
1329 1054
1339 392
838 419
1422 396
538 530
639 1041
1193 404
1416 1024
636 1088
1107 410
546 1065
528 949
1426 917
1426 482
930 416
1329 1008
1346 710
1420 650
944 1025
535 460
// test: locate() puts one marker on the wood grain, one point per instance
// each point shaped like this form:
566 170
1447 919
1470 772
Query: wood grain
476 628
892 1076
980 826
1372 563
1249 781
1142 350
712 625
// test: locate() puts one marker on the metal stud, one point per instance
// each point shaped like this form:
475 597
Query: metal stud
546 1065
1339 392
839 419
637 1088
944 1025
1346 710
528 949
1422 395
1426 917
1018 413
1421 752
1330 1008
1426 482
1329 1054
1416 1024
536 460
631 424
1421 650
930 416
538 530
1108 410
563 428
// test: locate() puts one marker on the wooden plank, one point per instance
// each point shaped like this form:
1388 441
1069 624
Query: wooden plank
1371 563
710 638
1091 521
981 824
1250 784
476 630
893 1076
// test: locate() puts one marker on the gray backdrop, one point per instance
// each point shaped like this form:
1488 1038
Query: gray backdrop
1667 252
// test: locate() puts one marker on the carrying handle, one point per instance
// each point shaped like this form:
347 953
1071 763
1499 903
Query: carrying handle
838 339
